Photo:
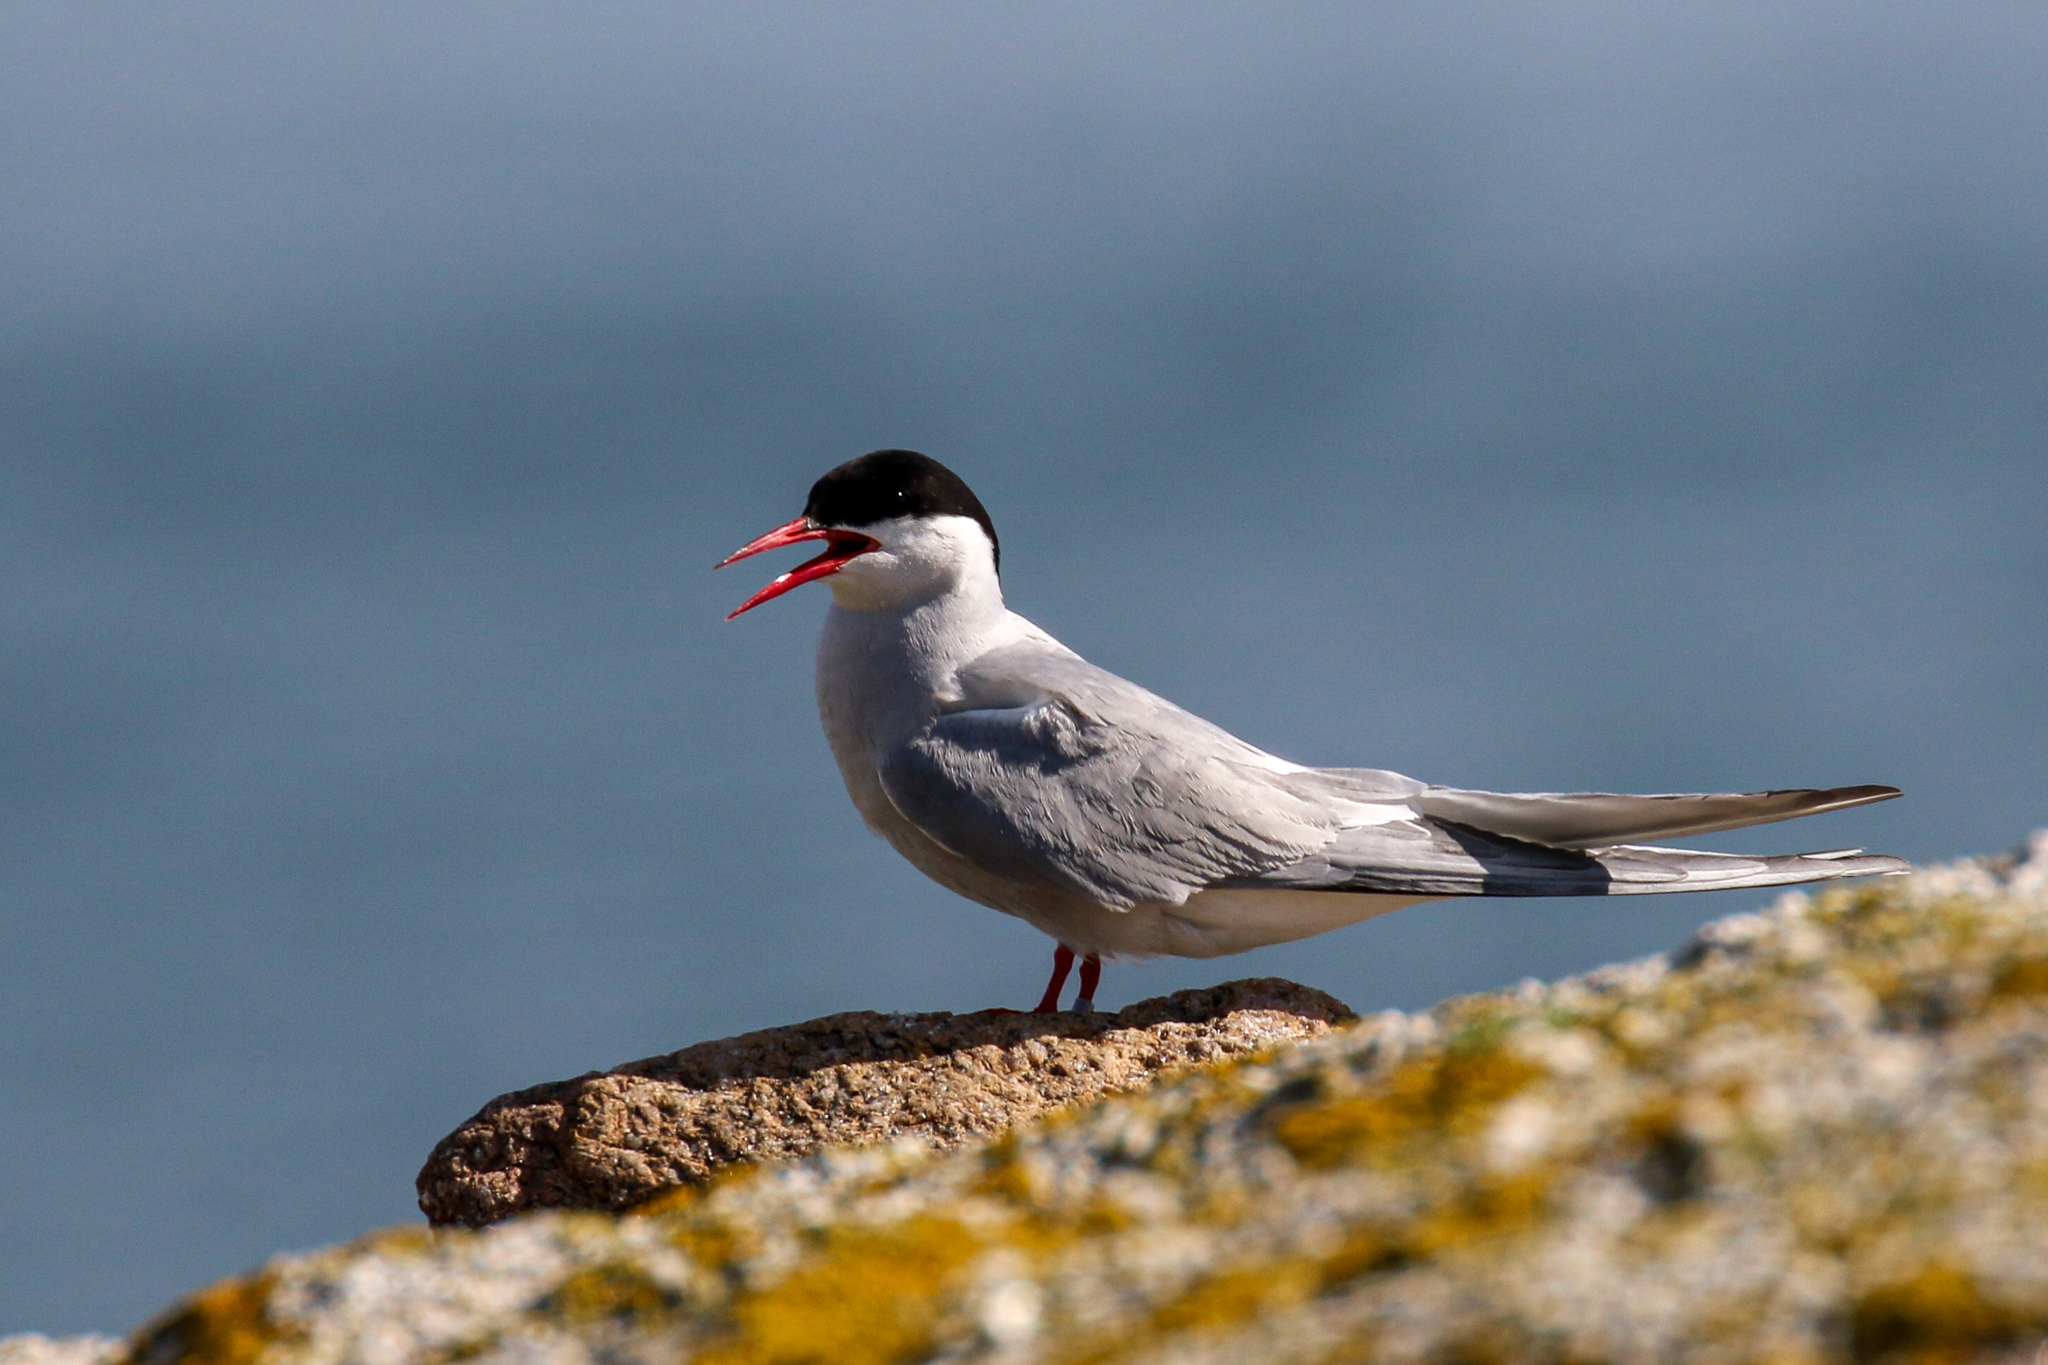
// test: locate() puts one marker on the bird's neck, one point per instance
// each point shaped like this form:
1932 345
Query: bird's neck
923 643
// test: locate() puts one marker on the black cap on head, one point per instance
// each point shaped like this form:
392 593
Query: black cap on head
895 483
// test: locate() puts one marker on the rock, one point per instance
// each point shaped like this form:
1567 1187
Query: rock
1815 1134
33 1348
610 1140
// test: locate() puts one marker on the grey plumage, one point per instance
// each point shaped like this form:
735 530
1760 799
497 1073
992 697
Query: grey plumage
1020 775
1098 788
1596 819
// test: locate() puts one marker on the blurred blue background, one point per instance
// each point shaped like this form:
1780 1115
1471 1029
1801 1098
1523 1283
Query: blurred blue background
1612 395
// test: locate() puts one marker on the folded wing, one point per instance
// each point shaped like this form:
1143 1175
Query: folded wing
1055 772
1093 786
1430 857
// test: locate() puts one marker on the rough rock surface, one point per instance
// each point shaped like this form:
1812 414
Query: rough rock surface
33 1348
610 1140
1815 1134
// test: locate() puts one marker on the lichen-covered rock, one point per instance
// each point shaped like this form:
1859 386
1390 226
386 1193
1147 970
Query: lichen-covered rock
33 1348
613 1139
1815 1134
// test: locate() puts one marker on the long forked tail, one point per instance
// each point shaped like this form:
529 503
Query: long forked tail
1470 843
1537 844
1438 858
1589 820
1473 843
1632 869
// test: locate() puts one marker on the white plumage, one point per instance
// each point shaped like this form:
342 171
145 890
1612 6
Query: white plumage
1011 770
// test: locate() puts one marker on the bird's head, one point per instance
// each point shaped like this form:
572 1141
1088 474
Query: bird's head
898 527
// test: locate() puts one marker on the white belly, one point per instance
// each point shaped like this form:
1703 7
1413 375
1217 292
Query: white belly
866 698
1235 920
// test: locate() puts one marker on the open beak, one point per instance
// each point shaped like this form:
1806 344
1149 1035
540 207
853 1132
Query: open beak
840 549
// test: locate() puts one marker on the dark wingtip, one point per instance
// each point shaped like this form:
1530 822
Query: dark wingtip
1823 799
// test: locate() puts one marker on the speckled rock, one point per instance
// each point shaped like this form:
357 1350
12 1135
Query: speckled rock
1815 1134
33 1348
610 1140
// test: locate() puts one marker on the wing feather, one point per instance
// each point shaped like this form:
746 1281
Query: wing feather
1057 773
1098 788
1433 858
1581 820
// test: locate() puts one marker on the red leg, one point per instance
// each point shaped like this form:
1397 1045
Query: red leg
1062 963
1091 974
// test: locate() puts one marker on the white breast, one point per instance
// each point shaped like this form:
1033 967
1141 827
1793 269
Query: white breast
884 671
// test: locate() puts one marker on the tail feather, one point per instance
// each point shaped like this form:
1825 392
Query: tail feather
1440 858
1639 869
1594 820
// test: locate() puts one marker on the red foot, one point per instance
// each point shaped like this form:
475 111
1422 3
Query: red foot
1062 963
1091 976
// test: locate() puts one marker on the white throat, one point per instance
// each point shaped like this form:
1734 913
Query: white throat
905 619
922 561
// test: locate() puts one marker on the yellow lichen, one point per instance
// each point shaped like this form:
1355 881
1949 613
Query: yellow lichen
1003 1176
1237 1295
675 1199
411 1240
1938 1316
609 1293
1439 1195
1099 1217
2030 1183
1486 1343
1035 1228
1218 1302
1487 1211
1446 1094
1406 1120
1039 1237
226 1324
707 1243
866 1297
1365 1251
2021 976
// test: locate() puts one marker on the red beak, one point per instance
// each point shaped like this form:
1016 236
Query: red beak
841 548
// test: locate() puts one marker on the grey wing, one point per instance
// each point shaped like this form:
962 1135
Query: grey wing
1091 785
1059 773
1430 857
1467 843
1581 820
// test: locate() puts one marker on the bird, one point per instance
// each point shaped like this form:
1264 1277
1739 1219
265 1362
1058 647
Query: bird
1009 769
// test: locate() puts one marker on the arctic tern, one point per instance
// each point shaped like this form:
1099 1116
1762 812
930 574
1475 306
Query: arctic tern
1011 770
